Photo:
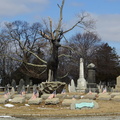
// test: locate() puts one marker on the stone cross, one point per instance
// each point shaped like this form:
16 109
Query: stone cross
81 82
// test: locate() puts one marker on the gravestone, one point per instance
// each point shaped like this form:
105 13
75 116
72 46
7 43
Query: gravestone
69 88
35 101
117 87
81 82
13 84
34 88
91 85
20 86
7 88
12 91
52 101
72 87
31 83
28 88
18 100
99 88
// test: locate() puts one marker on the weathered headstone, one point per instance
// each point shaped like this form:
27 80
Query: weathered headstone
34 88
117 87
68 102
13 84
6 90
31 83
18 100
12 91
3 100
69 88
92 96
35 101
91 79
52 101
28 88
72 86
104 97
81 82
114 94
116 98
21 83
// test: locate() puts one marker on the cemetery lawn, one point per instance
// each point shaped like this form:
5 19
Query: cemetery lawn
20 110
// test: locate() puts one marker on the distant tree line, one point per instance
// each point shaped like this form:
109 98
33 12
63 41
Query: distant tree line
24 52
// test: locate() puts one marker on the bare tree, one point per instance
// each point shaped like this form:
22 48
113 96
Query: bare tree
26 46
55 35
84 45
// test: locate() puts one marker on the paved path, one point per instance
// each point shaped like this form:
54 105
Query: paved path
75 118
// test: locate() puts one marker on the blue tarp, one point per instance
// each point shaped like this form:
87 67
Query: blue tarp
84 104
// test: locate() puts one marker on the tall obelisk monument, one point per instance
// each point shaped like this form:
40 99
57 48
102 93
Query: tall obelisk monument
81 82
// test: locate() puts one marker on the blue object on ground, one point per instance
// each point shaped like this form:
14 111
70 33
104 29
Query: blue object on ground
84 104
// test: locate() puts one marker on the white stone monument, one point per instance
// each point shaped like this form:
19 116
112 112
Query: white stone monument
72 87
69 88
81 82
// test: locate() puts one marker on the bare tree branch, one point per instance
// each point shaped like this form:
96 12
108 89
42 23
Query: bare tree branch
45 35
25 49
35 65
35 55
64 55
60 19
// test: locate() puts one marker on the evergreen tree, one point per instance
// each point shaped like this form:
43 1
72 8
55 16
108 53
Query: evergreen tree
107 63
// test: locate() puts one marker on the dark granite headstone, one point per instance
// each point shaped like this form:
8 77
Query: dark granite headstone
91 85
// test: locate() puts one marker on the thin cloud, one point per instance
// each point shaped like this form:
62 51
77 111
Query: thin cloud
77 4
13 7
109 27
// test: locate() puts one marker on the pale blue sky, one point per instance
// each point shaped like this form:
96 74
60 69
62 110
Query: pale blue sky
105 12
